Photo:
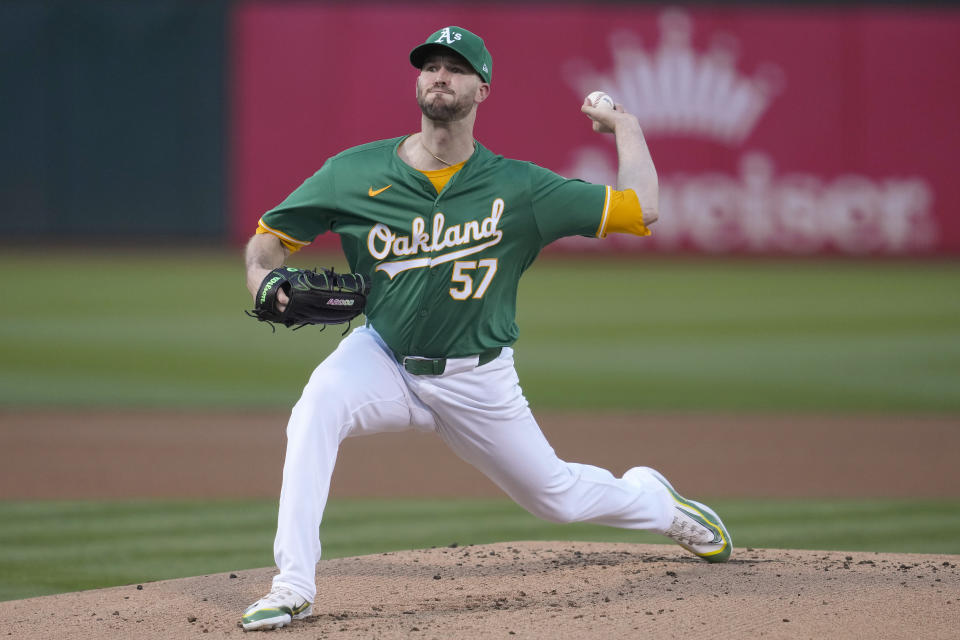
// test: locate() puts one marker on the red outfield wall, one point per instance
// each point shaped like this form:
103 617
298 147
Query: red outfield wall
774 130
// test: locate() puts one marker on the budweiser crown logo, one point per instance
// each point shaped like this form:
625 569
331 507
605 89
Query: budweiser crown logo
675 90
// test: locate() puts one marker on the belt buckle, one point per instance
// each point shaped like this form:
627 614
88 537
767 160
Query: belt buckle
436 365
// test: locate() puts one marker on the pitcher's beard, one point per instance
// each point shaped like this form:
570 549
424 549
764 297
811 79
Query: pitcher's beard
442 111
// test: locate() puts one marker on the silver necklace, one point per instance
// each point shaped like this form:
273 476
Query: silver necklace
436 157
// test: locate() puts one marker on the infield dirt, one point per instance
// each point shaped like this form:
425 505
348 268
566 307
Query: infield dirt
519 589
540 590
138 454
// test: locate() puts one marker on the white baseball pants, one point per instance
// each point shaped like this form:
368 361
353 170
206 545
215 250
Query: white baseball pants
481 414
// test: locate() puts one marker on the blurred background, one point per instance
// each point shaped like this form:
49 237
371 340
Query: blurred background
787 341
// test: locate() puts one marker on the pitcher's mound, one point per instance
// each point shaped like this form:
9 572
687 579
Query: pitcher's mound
540 590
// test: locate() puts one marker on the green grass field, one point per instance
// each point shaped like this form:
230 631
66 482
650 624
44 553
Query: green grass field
166 330
162 330
51 547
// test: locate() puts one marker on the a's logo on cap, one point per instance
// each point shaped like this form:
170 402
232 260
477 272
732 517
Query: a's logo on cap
446 36
485 70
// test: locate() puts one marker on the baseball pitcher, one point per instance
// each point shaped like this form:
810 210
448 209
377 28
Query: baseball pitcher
438 231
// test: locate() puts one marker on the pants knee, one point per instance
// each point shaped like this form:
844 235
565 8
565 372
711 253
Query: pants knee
552 509
318 414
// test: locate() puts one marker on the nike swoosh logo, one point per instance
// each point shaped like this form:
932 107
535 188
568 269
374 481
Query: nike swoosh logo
371 192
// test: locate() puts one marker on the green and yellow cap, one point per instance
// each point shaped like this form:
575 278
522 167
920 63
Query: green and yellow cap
461 41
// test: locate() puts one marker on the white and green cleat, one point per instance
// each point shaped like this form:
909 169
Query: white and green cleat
278 608
696 527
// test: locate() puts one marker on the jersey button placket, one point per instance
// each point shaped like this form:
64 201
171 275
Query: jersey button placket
423 313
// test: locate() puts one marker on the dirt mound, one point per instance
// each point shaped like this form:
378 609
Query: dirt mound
541 590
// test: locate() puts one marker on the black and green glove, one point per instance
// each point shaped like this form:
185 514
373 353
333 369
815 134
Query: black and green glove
316 297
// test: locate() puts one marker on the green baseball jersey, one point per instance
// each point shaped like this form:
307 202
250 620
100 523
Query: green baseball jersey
444 267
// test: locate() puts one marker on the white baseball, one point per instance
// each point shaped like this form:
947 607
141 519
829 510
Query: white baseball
600 100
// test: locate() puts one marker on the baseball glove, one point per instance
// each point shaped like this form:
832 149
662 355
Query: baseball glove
316 297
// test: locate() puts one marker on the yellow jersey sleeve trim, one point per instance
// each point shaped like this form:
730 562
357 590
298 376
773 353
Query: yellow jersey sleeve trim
290 243
602 229
622 214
